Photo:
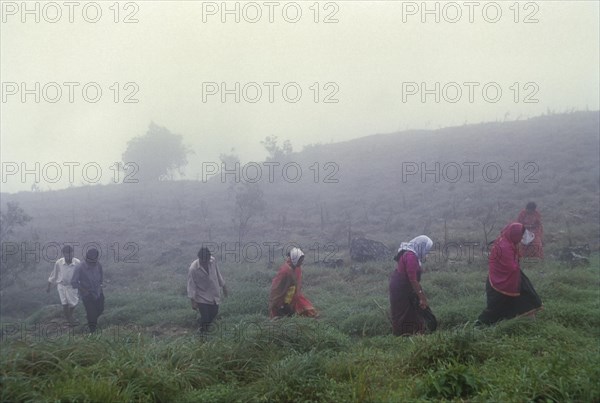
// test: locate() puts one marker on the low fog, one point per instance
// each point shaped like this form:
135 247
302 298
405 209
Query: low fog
249 201
77 86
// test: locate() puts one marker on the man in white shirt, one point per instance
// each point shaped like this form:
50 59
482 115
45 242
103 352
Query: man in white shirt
61 276
204 287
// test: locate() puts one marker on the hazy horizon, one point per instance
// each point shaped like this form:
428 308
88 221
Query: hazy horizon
367 57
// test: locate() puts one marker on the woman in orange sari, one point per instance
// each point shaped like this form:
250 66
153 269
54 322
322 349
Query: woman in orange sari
532 220
286 297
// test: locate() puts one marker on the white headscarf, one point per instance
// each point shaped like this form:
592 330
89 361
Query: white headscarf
420 246
295 255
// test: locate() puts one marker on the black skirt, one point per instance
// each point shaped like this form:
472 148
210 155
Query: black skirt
500 306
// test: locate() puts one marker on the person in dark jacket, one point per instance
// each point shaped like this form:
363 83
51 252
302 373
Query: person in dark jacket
87 278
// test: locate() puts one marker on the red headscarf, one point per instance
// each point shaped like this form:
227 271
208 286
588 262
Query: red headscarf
504 271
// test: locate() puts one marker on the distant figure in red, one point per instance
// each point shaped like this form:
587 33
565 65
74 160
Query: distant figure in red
508 290
532 220
286 297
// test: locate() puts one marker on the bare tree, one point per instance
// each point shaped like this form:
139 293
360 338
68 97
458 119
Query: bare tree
276 152
249 202
488 221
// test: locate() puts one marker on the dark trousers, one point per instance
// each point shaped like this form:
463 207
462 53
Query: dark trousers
208 313
500 306
93 309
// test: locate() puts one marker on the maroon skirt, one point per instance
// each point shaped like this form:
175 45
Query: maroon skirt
406 315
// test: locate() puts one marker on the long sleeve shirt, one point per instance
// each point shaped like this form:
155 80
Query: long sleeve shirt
63 272
204 286
88 279
409 266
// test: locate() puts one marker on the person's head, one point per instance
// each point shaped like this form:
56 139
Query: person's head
67 252
91 256
204 255
422 245
531 206
296 257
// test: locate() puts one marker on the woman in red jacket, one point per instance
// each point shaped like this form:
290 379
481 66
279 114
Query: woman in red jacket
509 292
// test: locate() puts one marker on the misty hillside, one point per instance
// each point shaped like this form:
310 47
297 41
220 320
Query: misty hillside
148 349
552 160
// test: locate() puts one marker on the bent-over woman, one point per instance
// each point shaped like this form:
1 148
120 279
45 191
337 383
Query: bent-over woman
508 291
286 298
409 306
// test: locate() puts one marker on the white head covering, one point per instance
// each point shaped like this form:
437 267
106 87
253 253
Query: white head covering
420 246
528 237
295 255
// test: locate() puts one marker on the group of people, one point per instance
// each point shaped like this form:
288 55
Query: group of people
508 290
74 280
286 299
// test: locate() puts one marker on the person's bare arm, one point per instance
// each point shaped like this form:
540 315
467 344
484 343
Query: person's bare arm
416 286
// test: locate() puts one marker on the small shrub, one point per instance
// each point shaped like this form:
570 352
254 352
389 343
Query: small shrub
453 380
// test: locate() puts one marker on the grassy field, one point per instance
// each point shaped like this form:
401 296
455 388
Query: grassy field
148 349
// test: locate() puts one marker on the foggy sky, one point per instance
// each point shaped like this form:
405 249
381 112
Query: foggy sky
368 55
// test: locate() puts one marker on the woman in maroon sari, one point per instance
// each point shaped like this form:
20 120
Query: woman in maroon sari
286 297
532 220
509 292
409 307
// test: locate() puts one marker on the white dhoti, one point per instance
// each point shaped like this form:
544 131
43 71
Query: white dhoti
68 295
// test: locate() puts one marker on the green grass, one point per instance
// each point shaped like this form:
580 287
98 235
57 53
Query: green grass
148 349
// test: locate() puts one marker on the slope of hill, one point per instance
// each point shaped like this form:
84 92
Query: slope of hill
147 349
390 187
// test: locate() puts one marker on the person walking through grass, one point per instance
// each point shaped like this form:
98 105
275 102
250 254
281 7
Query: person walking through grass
87 278
508 290
286 298
61 276
409 307
204 287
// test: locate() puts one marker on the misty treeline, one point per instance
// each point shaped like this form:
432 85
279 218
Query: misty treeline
159 155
